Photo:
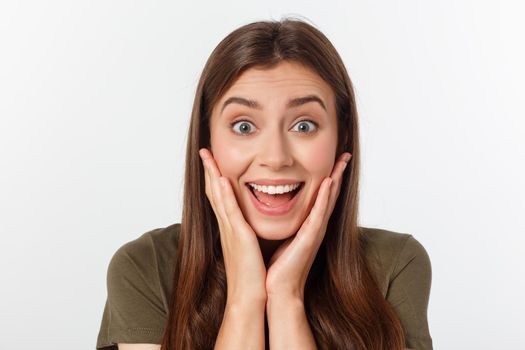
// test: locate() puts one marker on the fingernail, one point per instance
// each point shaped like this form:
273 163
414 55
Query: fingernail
347 157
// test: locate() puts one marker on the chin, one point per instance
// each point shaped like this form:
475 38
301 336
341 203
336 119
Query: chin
274 231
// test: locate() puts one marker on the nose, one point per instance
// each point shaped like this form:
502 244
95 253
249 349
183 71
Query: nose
275 153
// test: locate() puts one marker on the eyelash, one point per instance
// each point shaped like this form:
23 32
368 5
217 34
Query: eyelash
247 121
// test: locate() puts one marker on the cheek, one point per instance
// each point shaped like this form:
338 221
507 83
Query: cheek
318 158
318 161
231 159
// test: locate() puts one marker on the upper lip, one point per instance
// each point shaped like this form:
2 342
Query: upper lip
268 182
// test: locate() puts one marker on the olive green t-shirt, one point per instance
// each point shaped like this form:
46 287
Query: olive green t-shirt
139 284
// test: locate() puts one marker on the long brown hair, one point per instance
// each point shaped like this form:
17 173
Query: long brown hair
343 304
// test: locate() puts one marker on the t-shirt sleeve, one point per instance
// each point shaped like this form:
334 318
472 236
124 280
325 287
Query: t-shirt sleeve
134 310
409 293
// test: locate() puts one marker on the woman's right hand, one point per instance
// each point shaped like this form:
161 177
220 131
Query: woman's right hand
243 260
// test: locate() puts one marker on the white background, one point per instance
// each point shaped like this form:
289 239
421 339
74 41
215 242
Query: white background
95 99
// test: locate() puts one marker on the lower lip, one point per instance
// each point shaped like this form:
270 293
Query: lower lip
281 210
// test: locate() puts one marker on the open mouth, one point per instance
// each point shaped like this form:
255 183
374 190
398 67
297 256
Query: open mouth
275 200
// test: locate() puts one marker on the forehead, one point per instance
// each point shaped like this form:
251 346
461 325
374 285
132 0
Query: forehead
283 73
285 80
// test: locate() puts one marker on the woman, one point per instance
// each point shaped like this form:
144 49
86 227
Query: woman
269 253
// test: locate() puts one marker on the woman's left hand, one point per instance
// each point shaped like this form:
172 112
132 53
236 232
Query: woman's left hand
290 264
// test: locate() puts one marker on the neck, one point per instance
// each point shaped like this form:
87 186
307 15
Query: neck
268 247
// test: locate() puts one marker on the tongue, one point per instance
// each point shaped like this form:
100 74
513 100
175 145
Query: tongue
273 200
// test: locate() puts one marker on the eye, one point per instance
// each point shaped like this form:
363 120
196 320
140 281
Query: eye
306 126
244 127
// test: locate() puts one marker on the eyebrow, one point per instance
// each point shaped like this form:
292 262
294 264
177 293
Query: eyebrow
294 102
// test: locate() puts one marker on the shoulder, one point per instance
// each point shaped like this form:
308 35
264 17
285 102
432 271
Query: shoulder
139 284
389 252
145 266
153 249
403 271
381 243
162 240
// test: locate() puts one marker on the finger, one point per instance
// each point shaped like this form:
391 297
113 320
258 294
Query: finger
210 167
314 222
217 194
213 169
326 196
337 176
329 193
320 207
214 174
206 175
231 207
213 188
340 165
205 154
210 193
207 184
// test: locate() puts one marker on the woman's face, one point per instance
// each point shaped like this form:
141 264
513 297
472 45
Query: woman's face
275 126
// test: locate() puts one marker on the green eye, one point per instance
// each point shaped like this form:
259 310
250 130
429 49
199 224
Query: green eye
244 127
306 126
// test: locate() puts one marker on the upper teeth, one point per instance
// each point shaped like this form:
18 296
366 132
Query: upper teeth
275 189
